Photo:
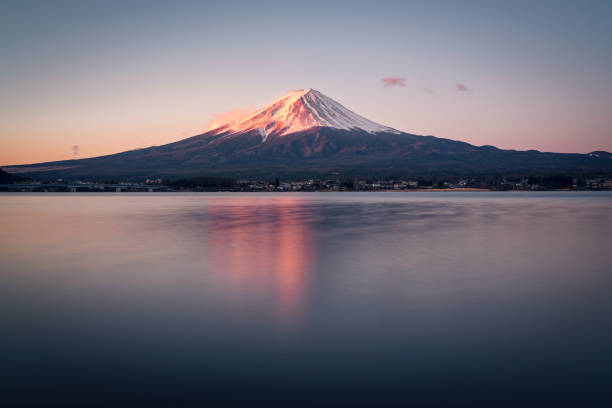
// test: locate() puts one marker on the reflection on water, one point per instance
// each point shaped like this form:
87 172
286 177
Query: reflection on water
336 298
267 242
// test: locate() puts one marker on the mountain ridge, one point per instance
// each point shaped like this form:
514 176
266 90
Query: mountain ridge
307 133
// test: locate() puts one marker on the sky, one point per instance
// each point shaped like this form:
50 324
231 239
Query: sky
86 78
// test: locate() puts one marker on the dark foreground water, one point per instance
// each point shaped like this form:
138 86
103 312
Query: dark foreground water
429 298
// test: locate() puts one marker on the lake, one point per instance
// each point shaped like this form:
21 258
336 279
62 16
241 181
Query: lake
322 298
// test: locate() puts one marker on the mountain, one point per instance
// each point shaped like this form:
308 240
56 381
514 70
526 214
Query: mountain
305 133
301 110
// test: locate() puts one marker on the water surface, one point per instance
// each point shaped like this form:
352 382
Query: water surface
323 297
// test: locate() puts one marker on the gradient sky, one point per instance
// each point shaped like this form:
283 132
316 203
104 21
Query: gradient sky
86 78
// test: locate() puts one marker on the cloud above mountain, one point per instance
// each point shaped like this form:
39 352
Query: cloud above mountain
220 119
393 81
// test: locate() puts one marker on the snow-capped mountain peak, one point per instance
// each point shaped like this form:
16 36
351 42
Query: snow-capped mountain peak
300 110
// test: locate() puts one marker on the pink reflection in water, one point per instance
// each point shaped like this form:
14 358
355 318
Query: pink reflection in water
262 246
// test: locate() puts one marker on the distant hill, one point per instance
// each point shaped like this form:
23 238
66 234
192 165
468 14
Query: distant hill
7 178
306 133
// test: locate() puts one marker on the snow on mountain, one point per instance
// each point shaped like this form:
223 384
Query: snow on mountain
300 110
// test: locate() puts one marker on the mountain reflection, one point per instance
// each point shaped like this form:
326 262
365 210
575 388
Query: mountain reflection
262 247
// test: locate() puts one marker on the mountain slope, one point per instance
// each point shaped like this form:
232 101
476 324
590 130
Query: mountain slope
306 133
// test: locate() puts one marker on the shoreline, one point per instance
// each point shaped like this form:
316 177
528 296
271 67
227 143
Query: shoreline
432 190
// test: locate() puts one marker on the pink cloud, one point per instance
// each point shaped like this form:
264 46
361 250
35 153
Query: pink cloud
76 149
391 81
220 119
462 87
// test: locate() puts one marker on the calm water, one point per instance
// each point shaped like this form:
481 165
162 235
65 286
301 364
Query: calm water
426 297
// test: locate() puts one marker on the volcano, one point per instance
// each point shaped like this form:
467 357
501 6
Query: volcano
308 134
298 111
